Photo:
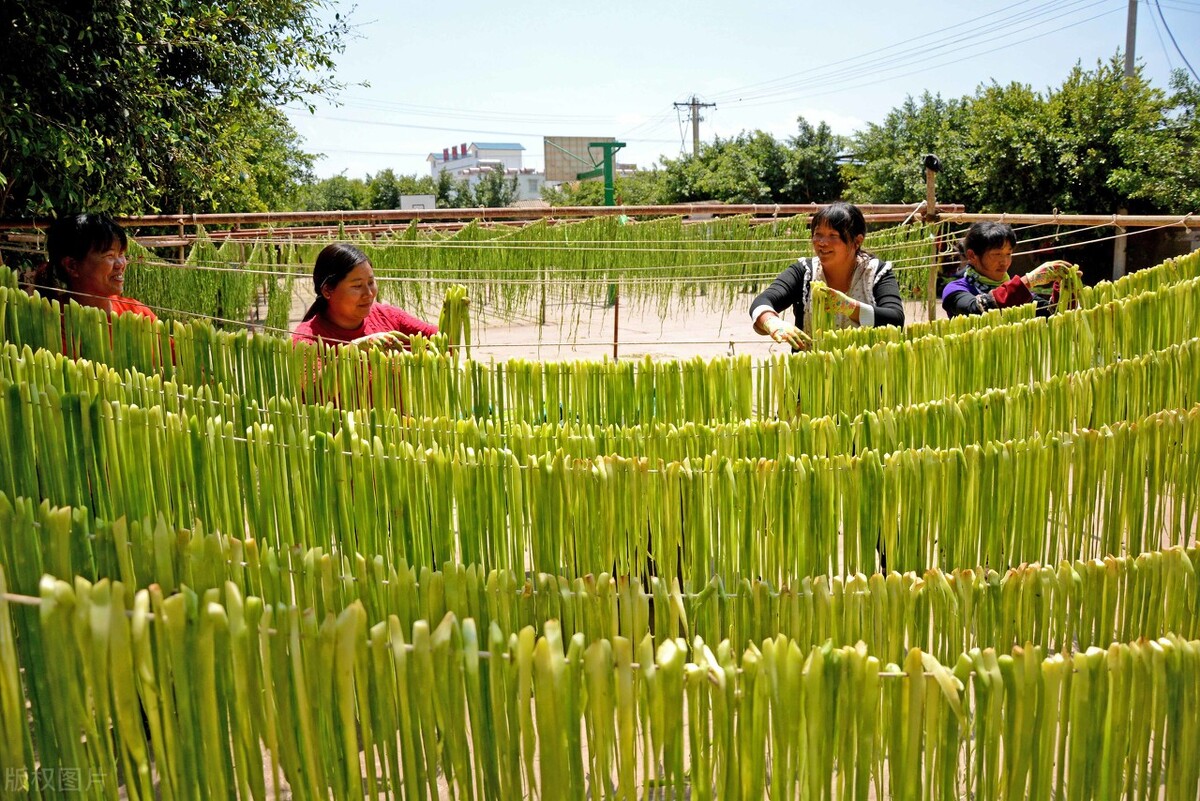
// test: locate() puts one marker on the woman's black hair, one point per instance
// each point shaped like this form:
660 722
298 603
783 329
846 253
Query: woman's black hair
334 263
845 218
77 235
984 236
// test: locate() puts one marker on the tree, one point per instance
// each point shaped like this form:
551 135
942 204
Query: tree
1010 154
887 157
641 188
745 169
812 172
1097 143
336 193
1112 135
271 167
385 188
133 107
451 193
495 189
1173 182
757 168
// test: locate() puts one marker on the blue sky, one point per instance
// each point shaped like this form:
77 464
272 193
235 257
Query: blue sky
468 71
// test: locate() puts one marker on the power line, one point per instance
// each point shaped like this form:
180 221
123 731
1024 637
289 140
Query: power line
1162 44
1186 6
882 59
455 129
492 116
834 78
1172 36
923 67
853 63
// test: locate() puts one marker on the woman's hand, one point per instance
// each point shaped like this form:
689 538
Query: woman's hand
388 340
784 332
840 303
1047 273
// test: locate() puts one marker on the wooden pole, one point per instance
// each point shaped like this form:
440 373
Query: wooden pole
182 237
953 213
379 216
1119 252
1120 220
931 215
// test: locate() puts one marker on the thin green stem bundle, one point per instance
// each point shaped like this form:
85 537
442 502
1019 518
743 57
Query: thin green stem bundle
170 661
241 565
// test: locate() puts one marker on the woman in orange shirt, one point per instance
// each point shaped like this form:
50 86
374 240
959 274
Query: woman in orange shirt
87 264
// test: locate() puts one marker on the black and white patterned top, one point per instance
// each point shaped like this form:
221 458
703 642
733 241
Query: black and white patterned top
873 283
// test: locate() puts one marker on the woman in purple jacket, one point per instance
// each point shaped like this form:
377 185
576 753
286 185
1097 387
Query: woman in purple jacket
985 285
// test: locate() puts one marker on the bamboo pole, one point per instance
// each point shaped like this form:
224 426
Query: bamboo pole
931 215
952 213
327 231
481 214
1189 220
949 212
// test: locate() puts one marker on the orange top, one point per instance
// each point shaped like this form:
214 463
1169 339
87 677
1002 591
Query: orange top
121 305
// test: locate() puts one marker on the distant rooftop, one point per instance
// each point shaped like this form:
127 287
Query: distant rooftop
498 145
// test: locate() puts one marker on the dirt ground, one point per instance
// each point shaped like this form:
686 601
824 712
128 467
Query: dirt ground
588 333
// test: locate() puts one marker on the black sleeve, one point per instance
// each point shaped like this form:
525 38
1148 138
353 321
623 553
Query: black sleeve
957 304
784 291
889 306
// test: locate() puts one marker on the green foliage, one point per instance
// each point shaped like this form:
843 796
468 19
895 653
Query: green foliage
141 107
454 193
382 190
385 188
749 168
336 193
757 168
447 190
887 166
1097 143
812 173
1174 184
641 188
1010 150
495 189
745 169
266 165
1110 128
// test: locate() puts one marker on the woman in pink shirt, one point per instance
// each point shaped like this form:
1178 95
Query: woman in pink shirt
345 309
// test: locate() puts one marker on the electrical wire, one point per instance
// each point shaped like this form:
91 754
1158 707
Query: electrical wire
387 124
1172 37
841 87
539 275
876 56
840 76
684 280
1162 44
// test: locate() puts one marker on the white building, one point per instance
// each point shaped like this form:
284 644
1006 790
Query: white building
474 161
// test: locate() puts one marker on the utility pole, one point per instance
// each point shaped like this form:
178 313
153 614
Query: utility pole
1119 250
1130 37
694 105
